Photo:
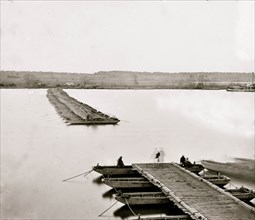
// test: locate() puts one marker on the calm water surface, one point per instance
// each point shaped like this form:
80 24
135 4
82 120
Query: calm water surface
38 150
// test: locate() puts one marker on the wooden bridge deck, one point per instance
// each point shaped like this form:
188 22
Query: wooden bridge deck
75 112
196 197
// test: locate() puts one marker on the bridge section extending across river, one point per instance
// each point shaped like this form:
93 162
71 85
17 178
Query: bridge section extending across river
197 197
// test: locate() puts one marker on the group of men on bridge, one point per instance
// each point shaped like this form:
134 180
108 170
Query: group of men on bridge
185 162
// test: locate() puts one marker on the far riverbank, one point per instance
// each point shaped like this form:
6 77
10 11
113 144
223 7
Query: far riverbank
125 80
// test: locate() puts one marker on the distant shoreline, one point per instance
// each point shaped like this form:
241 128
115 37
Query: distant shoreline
125 80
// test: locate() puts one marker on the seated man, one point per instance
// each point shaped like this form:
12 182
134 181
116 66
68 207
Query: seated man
120 162
187 163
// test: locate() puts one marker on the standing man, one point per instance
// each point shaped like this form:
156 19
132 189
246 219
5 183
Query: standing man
157 156
182 160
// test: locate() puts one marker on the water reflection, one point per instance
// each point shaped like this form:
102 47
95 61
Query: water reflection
147 210
98 180
109 194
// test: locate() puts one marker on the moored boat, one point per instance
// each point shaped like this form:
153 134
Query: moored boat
128 170
194 168
142 198
128 182
173 217
240 168
114 170
242 193
242 88
219 180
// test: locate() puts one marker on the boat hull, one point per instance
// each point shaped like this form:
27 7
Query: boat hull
242 193
217 180
241 169
194 168
123 183
142 198
241 90
114 170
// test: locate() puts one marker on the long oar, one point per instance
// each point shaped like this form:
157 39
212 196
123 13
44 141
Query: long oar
86 173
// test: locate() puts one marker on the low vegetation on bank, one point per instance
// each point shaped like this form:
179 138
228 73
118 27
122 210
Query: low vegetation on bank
124 80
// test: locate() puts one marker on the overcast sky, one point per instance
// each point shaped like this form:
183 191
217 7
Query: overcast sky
87 36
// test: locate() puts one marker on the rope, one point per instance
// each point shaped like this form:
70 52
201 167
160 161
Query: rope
116 190
107 209
86 173
231 184
112 186
130 207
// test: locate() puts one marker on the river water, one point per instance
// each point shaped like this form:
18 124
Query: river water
38 150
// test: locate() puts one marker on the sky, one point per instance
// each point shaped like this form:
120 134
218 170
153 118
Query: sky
153 36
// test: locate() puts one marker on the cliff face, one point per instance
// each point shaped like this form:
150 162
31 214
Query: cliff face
124 80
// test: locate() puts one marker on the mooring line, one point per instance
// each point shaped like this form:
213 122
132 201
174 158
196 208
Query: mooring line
130 208
107 209
231 184
86 173
116 190
124 121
